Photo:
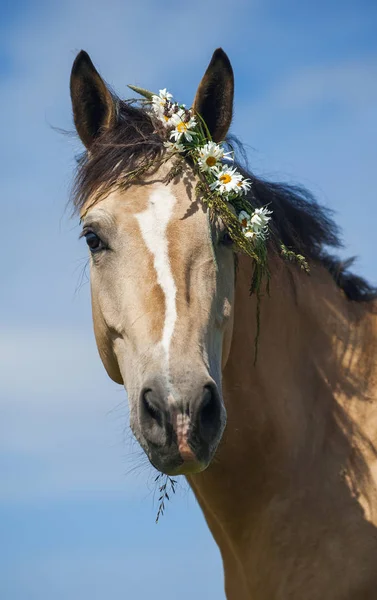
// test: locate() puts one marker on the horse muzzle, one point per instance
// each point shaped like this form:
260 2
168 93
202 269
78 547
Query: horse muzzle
181 430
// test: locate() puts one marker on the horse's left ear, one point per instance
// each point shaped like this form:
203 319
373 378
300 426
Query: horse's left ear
214 98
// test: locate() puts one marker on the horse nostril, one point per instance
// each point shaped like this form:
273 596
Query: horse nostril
210 410
150 408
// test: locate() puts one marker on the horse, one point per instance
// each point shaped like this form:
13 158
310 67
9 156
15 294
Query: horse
279 449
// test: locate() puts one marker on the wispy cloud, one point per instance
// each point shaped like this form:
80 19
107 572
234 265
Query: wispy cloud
350 85
64 427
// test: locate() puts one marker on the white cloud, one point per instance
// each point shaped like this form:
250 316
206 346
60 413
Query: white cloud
351 85
64 424
42 362
149 568
348 87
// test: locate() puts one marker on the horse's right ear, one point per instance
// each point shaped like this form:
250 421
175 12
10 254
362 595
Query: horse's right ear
92 103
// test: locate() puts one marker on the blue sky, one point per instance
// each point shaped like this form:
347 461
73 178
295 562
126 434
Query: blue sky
76 501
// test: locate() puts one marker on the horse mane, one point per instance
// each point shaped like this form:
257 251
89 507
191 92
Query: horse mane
298 220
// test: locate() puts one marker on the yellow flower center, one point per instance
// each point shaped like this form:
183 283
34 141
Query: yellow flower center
166 118
211 161
182 127
225 178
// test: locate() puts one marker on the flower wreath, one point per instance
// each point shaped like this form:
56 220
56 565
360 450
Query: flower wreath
189 136
221 186
186 135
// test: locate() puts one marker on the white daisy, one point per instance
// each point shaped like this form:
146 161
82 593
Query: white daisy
209 156
243 186
255 225
158 102
182 127
244 219
260 218
174 147
227 180
174 113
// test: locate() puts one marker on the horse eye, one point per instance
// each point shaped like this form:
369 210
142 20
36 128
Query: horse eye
94 242
225 239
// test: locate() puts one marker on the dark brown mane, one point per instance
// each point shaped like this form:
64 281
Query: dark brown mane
298 221
133 142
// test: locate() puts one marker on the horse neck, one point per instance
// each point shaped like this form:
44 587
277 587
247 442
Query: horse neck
288 426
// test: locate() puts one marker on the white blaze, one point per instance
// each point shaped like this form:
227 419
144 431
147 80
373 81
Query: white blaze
153 224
